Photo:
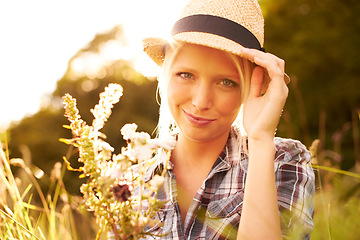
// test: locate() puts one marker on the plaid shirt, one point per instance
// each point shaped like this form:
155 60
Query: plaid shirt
215 211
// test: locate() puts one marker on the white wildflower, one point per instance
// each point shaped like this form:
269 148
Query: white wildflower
141 138
142 152
167 143
157 180
128 153
102 145
128 131
118 157
108 98
114 172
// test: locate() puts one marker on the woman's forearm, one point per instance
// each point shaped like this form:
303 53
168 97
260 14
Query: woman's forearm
260 216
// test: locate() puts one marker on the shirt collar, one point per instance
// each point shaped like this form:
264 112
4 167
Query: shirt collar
231 155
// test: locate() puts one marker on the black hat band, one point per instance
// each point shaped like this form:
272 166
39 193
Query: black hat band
219 26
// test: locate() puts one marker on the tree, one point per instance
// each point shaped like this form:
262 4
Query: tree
40 132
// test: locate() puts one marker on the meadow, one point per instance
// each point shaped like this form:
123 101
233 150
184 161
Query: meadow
56 214
41 199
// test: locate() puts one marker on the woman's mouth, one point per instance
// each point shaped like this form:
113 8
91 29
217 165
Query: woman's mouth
198 121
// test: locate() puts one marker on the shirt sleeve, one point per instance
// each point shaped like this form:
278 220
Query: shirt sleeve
295 183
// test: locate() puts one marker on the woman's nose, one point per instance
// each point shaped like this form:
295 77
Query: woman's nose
202 96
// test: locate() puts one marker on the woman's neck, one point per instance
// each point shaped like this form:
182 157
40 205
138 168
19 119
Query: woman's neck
197 154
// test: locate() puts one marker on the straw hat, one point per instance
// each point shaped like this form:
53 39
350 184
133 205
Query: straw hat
228 25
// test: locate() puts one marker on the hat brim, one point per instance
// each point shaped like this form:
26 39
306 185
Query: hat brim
155 48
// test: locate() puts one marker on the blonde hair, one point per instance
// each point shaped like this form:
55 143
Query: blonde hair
166 125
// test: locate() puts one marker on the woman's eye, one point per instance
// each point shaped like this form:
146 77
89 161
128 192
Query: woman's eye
185 75
228 83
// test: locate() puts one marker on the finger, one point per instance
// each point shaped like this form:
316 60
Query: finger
280 62
251 54
256 82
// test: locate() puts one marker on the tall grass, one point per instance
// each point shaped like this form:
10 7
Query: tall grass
27 213
337 198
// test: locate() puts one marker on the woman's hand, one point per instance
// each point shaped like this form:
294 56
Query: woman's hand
261 117
262 112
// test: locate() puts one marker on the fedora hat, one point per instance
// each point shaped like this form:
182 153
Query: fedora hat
228 25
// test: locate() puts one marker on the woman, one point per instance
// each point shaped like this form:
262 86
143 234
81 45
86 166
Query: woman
225 183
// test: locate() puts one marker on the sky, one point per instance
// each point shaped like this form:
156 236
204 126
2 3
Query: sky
39 37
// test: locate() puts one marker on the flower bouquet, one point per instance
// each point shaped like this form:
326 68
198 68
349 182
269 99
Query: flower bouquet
113 179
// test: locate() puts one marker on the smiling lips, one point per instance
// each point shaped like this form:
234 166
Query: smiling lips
198 121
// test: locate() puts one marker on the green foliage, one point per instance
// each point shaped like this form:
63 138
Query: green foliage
319 41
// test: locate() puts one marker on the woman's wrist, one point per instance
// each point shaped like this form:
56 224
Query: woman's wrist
261 138
259 146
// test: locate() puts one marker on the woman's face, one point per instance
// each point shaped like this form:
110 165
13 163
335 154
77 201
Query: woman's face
203 92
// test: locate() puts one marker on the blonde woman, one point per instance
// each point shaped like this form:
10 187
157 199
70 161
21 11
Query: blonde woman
229 177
